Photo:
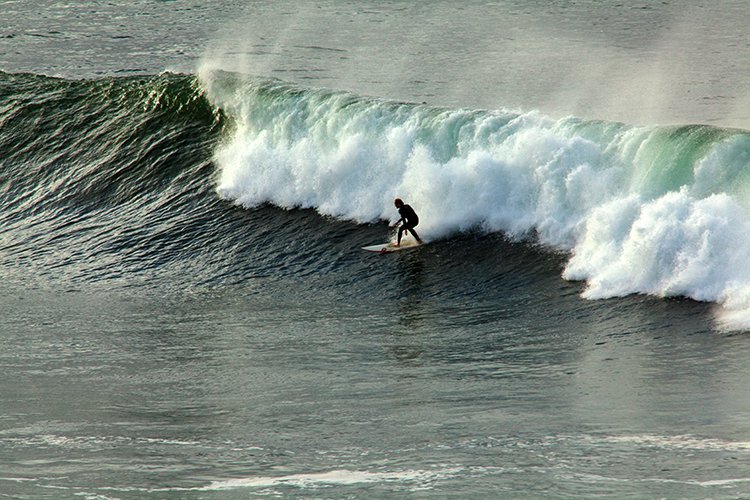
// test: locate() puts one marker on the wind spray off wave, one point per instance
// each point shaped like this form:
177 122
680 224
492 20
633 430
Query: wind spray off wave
656 210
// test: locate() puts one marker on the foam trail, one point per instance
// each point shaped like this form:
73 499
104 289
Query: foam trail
340 477
655 210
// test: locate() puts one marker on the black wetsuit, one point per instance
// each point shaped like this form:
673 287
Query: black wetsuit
410 218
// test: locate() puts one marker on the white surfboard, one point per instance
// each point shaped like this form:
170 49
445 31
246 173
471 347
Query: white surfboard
391 247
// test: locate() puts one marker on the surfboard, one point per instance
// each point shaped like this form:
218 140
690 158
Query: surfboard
391 247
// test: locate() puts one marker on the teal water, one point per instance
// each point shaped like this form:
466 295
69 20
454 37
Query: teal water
186 311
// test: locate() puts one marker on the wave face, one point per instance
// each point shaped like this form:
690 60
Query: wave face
101 177
652 210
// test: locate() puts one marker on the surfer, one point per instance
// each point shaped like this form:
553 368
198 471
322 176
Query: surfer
408 217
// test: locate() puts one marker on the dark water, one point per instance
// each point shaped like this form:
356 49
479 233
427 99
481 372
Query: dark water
186 311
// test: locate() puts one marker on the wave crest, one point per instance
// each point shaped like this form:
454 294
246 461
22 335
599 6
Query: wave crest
656 210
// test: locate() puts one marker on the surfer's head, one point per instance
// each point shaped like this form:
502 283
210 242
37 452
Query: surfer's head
398 202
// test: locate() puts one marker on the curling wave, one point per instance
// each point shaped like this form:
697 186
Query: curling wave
654 210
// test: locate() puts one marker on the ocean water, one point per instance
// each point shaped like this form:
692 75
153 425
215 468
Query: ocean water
185 310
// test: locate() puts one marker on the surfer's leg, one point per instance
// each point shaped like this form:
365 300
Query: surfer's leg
410 229
400 232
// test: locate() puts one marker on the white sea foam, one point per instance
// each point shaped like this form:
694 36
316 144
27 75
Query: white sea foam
682 441
652 210
333 477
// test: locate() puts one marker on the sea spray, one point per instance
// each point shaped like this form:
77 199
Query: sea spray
654 210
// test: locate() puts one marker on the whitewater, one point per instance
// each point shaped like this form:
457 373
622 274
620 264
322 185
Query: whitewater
658 210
